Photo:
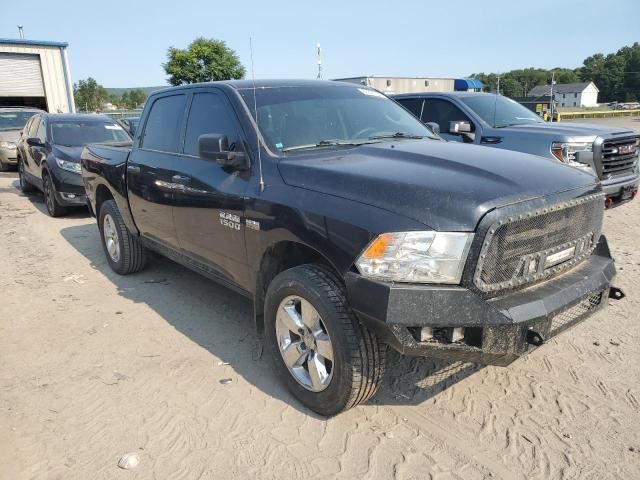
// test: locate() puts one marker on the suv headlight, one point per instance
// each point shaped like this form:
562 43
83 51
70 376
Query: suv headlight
68 166
9 145
419 257
566 152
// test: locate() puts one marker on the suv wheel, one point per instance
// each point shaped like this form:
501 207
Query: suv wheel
25 186
326 357
125 253
49 190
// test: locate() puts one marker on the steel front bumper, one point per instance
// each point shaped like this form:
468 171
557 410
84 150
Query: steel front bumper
620 190
497 330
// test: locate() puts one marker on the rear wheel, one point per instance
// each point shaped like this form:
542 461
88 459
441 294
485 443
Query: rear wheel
53 207
326 357
125 253
25 186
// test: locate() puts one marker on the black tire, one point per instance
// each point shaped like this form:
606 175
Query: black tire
4 167
50 199
358 357
132 254
25 186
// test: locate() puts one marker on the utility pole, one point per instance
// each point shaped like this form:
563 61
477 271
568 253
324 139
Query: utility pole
21 32
319 60
553 76
498 89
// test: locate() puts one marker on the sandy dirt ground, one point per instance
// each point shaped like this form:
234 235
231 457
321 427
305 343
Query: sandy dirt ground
94 366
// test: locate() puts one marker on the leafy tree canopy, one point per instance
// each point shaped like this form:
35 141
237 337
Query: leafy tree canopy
617 76
204 60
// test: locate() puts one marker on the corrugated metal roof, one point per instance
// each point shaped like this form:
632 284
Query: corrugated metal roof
35 43
577 87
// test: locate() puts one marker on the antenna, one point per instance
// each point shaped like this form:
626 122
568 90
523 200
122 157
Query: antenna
21 32
319 59
255 112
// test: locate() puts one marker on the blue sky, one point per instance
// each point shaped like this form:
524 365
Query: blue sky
124 43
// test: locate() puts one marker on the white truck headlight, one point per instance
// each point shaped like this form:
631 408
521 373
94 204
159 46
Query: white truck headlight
566 152
417 257
68 166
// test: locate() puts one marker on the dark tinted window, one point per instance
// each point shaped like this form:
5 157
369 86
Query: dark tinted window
208 114
162 128
442 112
414 105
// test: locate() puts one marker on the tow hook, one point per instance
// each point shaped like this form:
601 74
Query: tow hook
534 338
616 294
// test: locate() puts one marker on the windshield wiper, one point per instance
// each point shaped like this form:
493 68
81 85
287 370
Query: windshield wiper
397 135
328 143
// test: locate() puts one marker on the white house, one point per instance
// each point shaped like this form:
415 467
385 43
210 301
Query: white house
583 94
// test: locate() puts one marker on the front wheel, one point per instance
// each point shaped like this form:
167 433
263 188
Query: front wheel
25 186
53 207
125 253
326 357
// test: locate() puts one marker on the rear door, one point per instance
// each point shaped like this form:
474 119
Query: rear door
209 209
151 169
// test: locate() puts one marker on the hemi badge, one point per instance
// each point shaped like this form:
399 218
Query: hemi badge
559 257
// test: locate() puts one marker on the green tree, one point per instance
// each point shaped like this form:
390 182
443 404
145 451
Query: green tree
89 95
204 60
137 97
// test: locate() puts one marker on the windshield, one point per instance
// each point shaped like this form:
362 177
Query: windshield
14 120
499 111
79 133
318 116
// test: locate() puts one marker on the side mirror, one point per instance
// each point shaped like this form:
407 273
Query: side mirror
459 127
435 128
215 146
34 142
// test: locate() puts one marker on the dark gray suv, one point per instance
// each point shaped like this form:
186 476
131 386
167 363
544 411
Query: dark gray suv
610 153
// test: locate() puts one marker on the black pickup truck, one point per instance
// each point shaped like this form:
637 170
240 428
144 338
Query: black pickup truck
352 226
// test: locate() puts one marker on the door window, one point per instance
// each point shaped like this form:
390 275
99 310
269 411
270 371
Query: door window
40 133
442 112
162 129
414 105
33 128
209 114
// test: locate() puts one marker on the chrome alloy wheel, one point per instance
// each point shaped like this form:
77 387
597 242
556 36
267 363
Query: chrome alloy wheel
304 343
111 237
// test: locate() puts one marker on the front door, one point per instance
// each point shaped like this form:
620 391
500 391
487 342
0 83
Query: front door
443 112
151 170
209 209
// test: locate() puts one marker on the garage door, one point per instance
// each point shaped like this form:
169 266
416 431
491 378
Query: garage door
20 75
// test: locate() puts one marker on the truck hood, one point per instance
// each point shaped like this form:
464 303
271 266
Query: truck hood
9 135
446 186
565 129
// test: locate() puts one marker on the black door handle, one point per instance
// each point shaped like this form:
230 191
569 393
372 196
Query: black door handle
133 169
181 179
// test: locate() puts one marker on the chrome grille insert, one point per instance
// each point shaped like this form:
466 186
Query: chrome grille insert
527 248
619 156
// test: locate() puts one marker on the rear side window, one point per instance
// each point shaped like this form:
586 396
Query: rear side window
209 114
161 131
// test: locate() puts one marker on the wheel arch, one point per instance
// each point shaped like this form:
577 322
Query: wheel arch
278 257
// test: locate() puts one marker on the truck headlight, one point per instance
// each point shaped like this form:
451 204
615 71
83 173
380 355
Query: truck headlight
566 152
419 257
68 166
8 145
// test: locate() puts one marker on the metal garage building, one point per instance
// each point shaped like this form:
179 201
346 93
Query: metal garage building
35 73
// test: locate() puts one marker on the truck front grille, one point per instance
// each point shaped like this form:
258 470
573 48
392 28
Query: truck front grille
530 247
619 156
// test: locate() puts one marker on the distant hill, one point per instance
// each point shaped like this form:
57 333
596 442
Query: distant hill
147 90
